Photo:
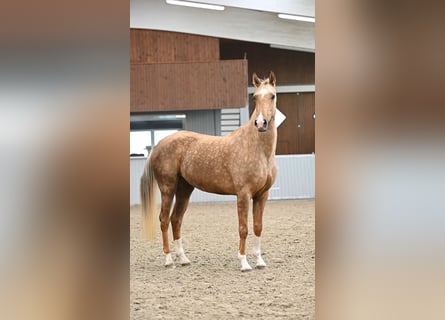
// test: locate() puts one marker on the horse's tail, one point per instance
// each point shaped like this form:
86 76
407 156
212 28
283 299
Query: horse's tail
148 201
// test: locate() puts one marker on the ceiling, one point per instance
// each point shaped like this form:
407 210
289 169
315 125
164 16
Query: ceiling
255 21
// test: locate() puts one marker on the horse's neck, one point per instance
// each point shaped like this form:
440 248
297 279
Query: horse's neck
268 141
265 142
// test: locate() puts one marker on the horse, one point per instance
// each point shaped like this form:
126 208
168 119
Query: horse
241 163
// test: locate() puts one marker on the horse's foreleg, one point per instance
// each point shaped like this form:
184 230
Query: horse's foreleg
164 218
259 203
184 190
243 209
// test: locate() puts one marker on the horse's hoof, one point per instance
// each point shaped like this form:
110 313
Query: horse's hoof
244 264
245 269
168 260
183 260
260 264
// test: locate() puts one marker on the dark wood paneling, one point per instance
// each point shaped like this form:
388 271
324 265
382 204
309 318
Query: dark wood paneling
153 46
290 67
306 122
185 86
287 132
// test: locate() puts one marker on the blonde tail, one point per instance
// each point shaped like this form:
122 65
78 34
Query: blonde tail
148 201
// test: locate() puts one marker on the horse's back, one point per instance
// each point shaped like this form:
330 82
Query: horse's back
174 148
167 155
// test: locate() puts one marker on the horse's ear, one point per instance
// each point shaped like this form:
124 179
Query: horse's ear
255 80
272 79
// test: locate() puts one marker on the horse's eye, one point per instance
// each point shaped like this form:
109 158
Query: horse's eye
273 97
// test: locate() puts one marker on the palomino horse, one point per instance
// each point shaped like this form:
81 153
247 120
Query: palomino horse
241 163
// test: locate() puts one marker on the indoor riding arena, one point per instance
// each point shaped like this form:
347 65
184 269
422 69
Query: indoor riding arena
192 69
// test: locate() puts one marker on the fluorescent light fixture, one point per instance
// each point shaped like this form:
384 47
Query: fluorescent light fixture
298 18
195 4
278 46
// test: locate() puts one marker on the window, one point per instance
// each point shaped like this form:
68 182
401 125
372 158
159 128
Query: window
140 142
147 130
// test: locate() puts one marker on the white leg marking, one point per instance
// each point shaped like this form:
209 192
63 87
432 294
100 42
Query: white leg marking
183 260
244 264
168 259
257 252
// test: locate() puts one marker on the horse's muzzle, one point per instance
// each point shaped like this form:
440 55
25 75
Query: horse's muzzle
261 124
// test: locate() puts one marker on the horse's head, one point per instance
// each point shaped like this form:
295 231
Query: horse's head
265 99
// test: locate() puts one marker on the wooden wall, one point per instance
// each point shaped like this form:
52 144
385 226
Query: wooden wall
188 86
297 133
178 71
150 46
291 67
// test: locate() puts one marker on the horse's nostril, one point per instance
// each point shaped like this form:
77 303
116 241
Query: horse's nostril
265 124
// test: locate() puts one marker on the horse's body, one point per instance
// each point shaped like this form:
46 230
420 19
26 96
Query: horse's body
241 163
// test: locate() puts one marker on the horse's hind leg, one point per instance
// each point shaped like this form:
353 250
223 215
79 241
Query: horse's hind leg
183 192
164 217
259 202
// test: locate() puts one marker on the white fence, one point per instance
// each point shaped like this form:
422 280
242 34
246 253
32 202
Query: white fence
295 180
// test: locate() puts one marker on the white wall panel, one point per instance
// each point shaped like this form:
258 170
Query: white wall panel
136 169
295 180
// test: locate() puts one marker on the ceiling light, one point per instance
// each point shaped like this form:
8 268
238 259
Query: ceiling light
279 46
195 4
298 18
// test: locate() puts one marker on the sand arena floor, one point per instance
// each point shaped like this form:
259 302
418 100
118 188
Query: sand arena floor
212 287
